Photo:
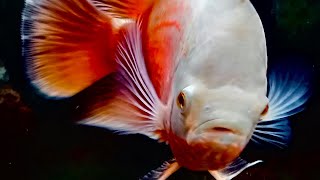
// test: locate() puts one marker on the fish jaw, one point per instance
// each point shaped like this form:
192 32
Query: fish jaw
203 154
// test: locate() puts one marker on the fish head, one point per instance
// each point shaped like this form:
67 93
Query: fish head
211 127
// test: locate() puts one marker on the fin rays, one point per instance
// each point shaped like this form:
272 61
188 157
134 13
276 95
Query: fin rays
132 107
61 39
288 93
137 72
124 8
163 172
233 169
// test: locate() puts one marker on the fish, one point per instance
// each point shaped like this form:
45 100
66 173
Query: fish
191 73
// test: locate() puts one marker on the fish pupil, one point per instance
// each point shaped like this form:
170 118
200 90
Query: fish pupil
181 100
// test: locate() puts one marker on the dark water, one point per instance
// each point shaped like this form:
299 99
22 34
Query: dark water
40 142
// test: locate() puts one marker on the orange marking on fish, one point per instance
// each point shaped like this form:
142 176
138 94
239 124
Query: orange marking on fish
165 24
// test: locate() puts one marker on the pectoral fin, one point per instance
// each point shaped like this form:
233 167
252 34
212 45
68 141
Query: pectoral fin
289 90
126 102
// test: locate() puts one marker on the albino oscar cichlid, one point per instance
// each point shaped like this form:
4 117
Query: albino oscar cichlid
191 73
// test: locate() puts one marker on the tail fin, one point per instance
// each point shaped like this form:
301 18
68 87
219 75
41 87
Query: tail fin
67 45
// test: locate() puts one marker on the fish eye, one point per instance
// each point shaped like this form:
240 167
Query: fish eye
184 98
265 111
181 100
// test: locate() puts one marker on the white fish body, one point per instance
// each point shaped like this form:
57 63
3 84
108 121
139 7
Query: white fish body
227 56
222 75
227 45
217 75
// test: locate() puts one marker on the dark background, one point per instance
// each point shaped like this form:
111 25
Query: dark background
38 140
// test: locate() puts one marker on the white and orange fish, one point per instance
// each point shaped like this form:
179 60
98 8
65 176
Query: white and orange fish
192 73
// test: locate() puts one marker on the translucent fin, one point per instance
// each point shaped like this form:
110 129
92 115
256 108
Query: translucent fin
67 45
232 170
123 8
288 93
276 132
133 106
163 172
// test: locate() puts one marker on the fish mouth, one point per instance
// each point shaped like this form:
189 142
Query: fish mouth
216 131
221 130
218 126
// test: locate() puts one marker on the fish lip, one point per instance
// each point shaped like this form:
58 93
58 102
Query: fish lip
197 135
224 129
